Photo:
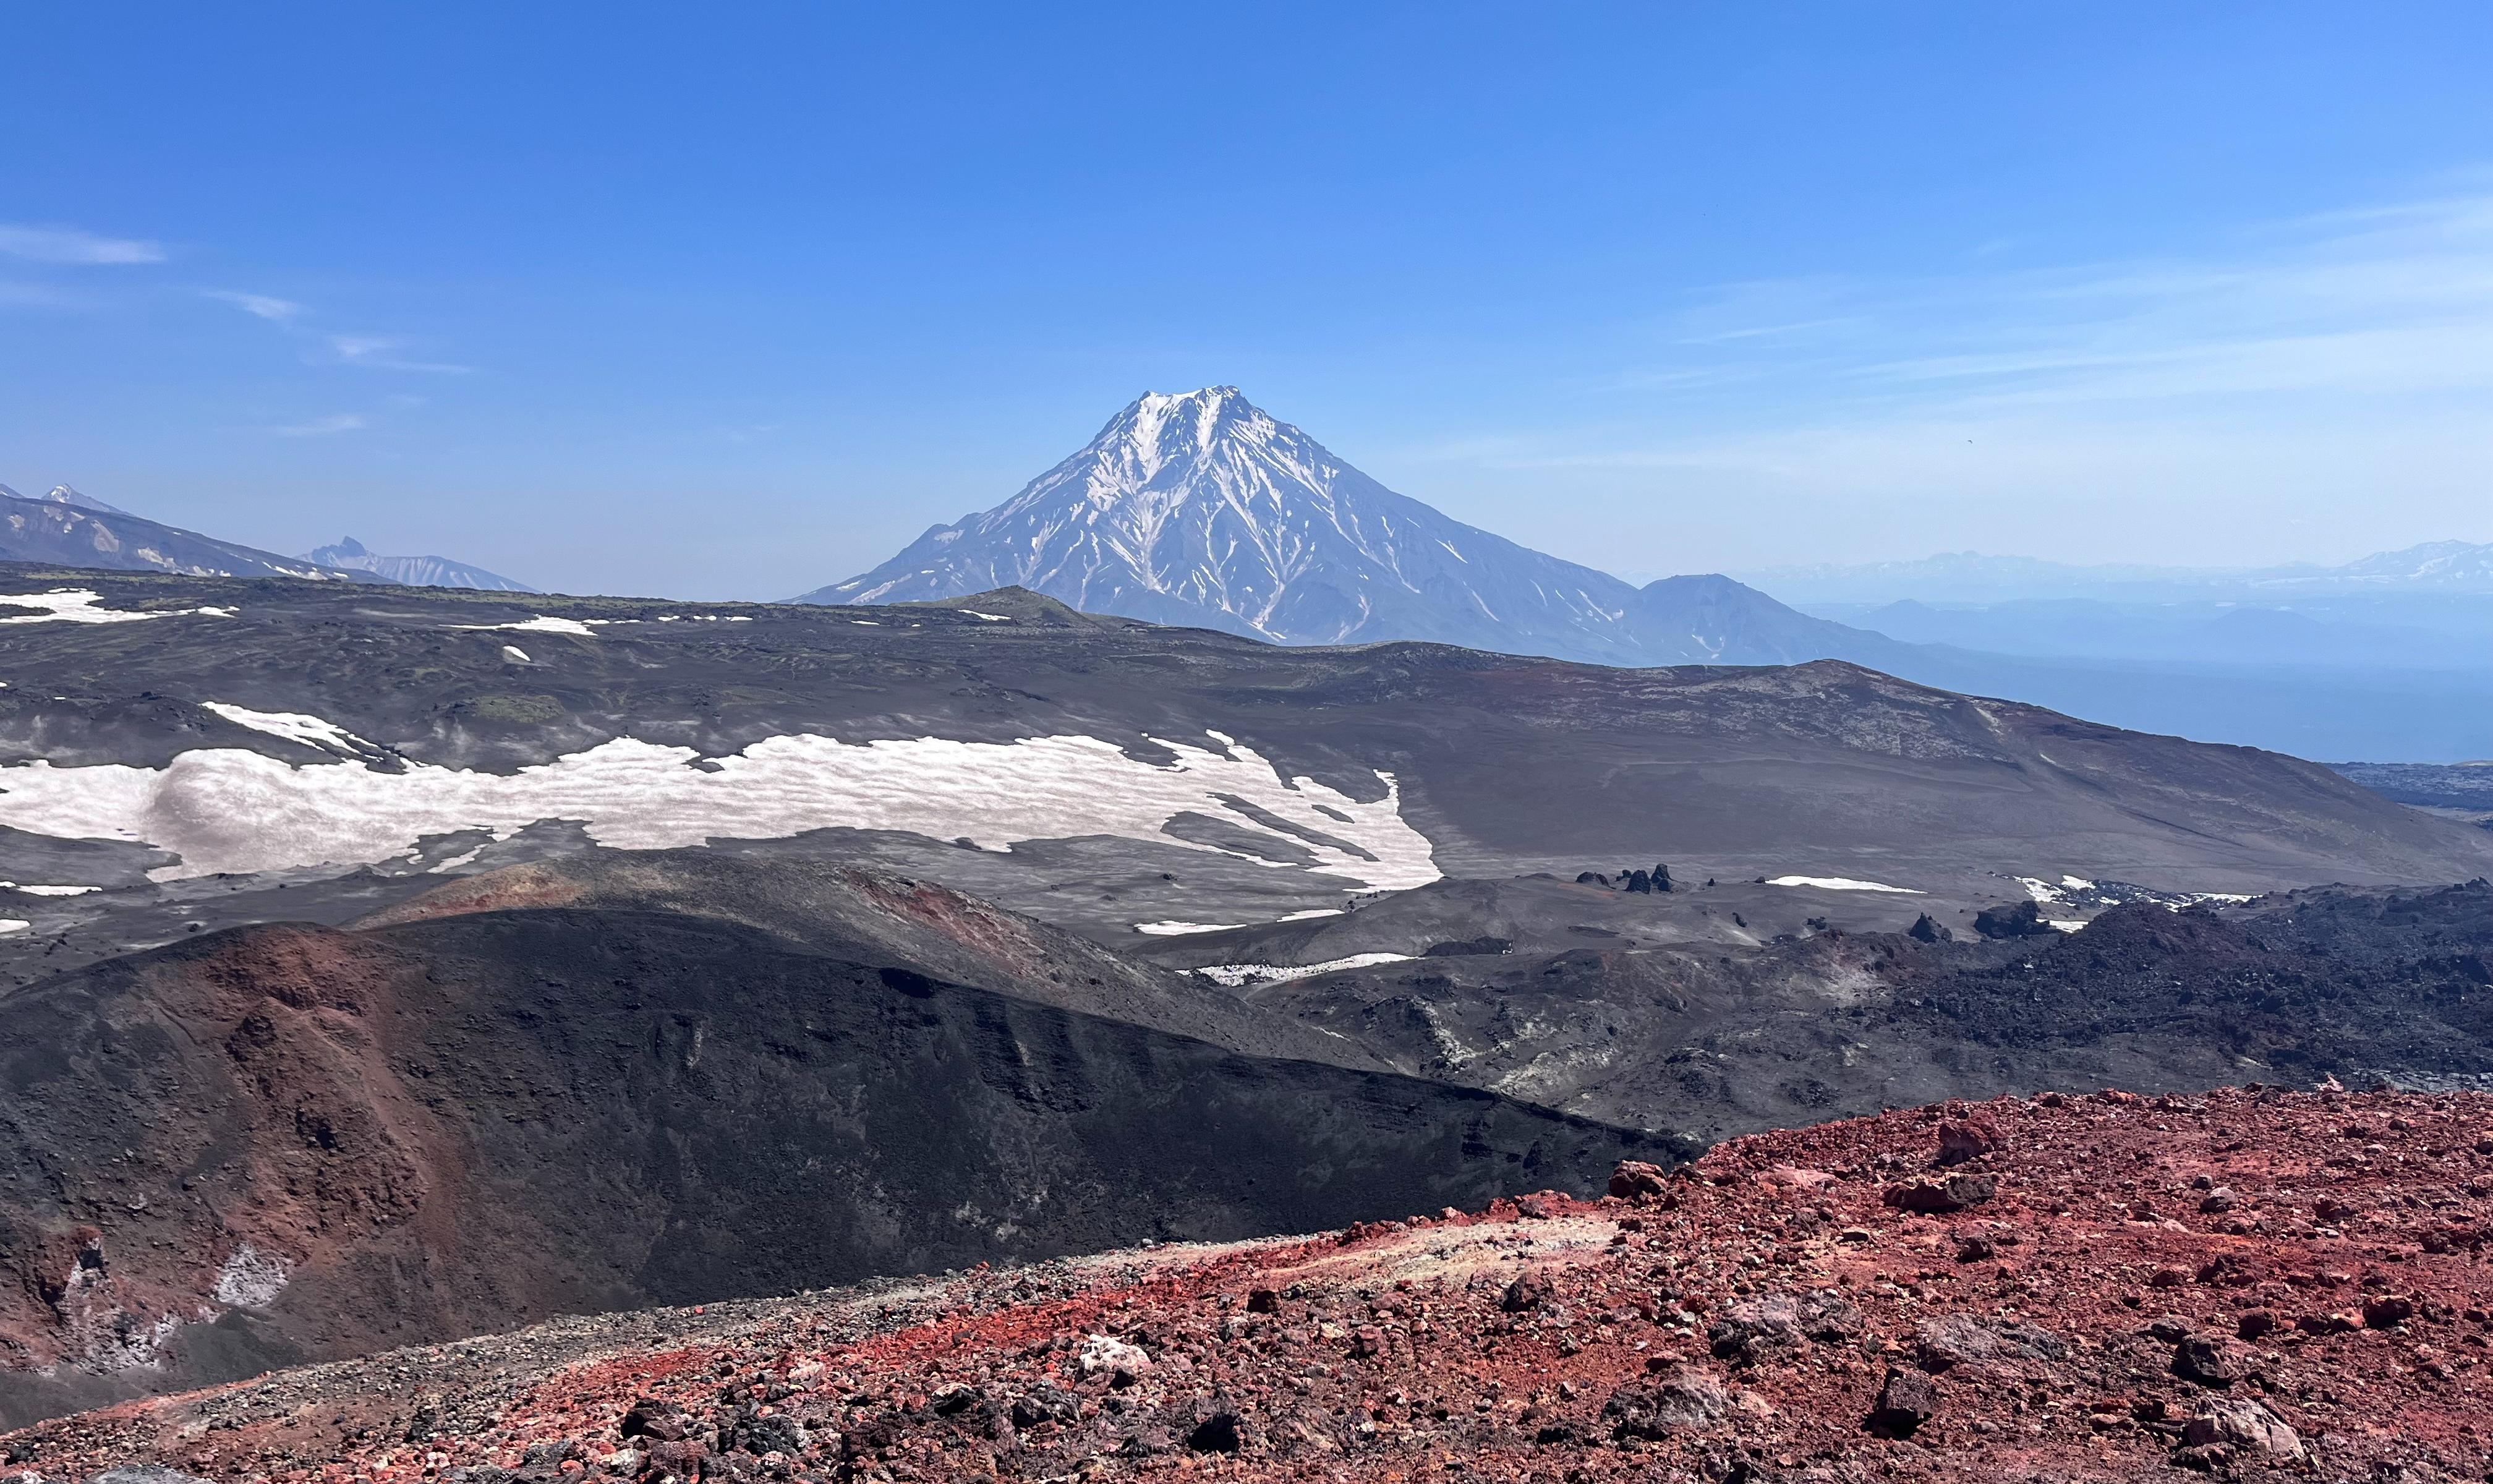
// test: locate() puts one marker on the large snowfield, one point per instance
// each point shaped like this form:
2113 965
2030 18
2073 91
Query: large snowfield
233 809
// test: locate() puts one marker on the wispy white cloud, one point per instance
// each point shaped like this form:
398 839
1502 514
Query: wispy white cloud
265 306
324 426
382 352
2313 389
71 246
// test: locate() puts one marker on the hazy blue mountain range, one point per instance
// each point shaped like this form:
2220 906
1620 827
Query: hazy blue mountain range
2433 568
1203 509
67 528
413 571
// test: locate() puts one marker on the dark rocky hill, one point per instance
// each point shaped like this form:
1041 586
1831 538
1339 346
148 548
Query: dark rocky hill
288 1142
1735 1008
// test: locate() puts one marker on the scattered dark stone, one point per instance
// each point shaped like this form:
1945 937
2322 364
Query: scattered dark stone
1639 882
1926 929
2387 1312
1933 1197
2207 1361
1637 1180
2239 1425
776 1433
1660 878
1907 1399
2012 919
1670 1403
1048 1403
657 1420
2255 1323
2216 1202
1526 1294
1966 1138
1468 948
1215 1434
1757 1329
1266 1301
1592 879
1976 1249
2171 1330
1960 1338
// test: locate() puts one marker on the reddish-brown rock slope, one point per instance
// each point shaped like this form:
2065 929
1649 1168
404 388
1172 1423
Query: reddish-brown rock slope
2104 1287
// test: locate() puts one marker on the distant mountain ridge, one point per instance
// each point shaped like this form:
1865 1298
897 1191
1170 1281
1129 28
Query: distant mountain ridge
2433 568
67 528
63 494
1201 509
412 571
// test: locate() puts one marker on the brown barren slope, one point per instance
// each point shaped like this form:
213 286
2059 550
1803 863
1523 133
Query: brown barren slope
2259 1284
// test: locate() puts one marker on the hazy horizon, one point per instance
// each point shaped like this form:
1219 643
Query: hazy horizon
738 307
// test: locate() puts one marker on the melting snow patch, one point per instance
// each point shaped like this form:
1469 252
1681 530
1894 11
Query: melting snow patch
1237 976
251 1279
1173 930
78 605
992 618
1839 884
540 624
2065 925
36 890
1301 916
233 809
294 726
10 924
515 654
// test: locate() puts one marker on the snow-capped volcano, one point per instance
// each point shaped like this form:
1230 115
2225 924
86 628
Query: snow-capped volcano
1201 509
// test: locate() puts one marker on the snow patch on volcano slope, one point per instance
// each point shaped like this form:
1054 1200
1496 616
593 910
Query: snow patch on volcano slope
1238 976
233 810
78 605
1839 884
294 726
541 624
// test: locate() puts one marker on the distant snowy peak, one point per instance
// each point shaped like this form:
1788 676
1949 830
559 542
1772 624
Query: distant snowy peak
67 528
413 571
2465 564
1201 509
63 494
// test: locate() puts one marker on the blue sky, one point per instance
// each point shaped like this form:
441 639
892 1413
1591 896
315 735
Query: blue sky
734 301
